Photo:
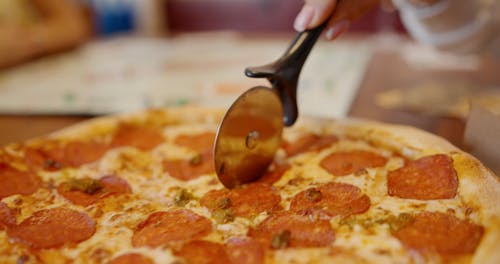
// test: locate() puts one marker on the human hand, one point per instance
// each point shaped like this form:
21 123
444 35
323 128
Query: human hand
316 12
15 44
422 2
389 6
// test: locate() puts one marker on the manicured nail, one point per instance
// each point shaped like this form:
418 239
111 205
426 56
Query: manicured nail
304 18
337 29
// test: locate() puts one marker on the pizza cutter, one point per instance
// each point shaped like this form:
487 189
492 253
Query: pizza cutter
250 133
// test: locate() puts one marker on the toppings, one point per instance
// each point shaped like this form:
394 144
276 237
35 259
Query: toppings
201 142
428 178
14 181
199 164
281 240
71 154
195 160
163 228
6 216
395 223
52 165
85 185
270 226
190 169
53 228
431 232
182 197
345 163
223 216
246 201
304 231
143 138
222 212
75 154
57 155
313 195
131 258
244 251
274 174
333 199
224 203
309 142
87 191
203 252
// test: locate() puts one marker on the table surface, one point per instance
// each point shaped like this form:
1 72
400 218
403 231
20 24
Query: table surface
386 70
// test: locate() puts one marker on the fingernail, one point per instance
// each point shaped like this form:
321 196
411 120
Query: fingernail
304 18
337 29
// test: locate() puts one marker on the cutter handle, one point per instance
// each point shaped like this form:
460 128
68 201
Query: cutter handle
284 72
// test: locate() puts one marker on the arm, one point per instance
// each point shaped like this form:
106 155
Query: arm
315 12
467 26
61 26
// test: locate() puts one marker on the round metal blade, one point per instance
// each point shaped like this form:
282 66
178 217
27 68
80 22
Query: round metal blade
248 137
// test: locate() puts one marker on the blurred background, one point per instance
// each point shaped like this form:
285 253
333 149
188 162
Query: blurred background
173 16
63 61
92 57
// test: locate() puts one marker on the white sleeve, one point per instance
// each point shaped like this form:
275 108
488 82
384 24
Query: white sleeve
467 26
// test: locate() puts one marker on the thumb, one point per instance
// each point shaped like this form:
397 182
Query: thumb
313 13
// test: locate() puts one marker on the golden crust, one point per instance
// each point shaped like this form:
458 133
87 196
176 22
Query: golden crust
479 188
154 117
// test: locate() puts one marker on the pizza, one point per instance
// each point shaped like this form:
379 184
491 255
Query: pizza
141 188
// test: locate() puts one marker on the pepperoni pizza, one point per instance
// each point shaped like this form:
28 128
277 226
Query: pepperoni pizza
141 188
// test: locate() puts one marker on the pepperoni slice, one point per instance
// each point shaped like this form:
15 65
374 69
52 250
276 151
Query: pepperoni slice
88 191
6 216
35 158
287 229
441 233
75 154
246 201
143 138
309 142
428 178
14 181
115 185
162 228
53 228
203 252
72 154
201 142
193 168
245 251
5 157
274 174
131 258
344 163
333 199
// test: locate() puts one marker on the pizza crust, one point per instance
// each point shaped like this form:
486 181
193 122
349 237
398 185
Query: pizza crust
478 186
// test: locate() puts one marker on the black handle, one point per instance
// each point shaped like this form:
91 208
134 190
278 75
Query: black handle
284 72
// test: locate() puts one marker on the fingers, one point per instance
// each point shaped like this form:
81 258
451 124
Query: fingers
387 6
347 11
336 28
423 2
314 13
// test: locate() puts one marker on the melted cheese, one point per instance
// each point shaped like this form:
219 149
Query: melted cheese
154 190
